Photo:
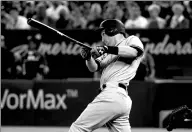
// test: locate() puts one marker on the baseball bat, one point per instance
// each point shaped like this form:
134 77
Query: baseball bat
39 25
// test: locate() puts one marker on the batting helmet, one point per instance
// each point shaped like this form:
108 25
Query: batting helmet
112 27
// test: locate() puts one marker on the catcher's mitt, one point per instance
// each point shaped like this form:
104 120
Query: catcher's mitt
179 115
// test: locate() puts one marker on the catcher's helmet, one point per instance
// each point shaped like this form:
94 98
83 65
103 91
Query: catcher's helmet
112 27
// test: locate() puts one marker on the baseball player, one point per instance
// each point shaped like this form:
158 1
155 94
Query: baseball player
118 59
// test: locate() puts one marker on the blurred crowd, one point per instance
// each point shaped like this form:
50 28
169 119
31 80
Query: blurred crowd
89 14
29 65
84 15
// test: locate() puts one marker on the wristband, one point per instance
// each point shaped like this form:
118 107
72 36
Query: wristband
112 50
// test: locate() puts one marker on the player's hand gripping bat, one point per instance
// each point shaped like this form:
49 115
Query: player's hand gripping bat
36 24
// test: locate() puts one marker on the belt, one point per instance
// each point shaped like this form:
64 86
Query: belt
121 85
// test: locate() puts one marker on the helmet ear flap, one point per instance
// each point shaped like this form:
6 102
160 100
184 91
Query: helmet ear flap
111 31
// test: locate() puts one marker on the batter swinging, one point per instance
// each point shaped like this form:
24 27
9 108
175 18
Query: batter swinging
118 59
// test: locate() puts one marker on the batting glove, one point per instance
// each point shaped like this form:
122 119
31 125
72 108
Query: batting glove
107 49
98 51
86 54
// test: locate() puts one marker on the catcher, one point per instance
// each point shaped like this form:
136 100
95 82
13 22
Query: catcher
180 115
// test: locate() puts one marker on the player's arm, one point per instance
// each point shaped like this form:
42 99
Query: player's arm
91 63
129 51
133 49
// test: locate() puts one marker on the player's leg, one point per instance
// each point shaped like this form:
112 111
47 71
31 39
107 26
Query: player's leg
103 109
121 123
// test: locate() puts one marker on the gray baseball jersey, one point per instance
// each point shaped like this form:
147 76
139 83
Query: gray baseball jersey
117 69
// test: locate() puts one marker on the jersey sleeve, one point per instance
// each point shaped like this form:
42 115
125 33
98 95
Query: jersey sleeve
136 43
100 62
103 60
